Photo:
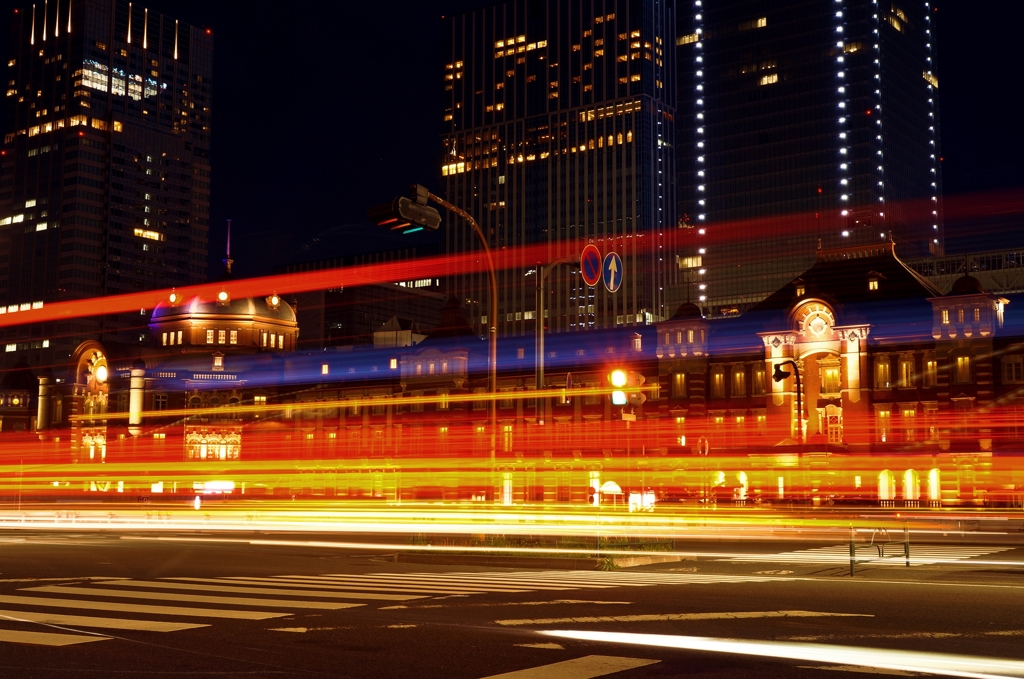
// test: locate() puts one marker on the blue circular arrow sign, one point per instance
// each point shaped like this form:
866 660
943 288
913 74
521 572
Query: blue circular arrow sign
612 272
590 265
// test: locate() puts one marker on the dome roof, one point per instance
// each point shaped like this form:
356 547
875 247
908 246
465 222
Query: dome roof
966 285
686 311
248 307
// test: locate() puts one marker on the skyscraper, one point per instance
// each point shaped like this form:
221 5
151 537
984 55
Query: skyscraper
558 125
105 173
803 124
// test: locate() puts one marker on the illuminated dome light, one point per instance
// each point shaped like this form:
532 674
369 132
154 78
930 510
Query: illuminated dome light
223 297
101 373
15 401
274 301
173 297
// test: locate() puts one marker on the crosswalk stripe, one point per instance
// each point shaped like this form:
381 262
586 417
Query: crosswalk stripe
46 638
180 611
197 598
371 586
256 590
587 667
455 579
297 582
101 623
440 583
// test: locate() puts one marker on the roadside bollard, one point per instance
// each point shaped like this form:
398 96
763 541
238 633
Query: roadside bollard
906 542
853 550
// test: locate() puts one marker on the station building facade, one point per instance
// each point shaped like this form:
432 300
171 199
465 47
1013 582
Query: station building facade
907 397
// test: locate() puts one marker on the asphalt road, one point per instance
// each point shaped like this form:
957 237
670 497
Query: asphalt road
92 604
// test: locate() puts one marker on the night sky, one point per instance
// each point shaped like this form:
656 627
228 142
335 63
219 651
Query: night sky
323 109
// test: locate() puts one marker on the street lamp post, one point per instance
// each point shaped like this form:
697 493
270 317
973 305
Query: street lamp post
778 375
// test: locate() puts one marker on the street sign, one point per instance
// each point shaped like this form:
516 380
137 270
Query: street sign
590 265
629 417
612 272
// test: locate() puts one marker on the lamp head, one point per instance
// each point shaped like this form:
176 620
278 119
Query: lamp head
780 374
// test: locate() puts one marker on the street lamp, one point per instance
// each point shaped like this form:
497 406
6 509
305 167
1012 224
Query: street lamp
413 214
780 375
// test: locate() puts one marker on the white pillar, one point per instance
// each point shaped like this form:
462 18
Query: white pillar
43 410
135 394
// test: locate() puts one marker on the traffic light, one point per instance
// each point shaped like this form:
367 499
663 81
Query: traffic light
410 214
626 385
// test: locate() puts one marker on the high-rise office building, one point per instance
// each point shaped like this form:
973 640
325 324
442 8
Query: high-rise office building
802 125
105 173
558 125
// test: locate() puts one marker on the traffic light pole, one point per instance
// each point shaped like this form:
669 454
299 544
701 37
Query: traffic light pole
492 319
542 274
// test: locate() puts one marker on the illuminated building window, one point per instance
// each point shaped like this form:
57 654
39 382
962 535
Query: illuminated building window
678 388
883 421
179 336
264 338
769 79
873 284
906 377
635 77
687 39
280 341
930 368
259 400
909 424
962 370
419 368
218 361
882 377
959 315
739 381
233 337
324 369
894 22
165 339
689 336
222 336
393 364
760 383
977 315
718 383
442 400
209 336
945 316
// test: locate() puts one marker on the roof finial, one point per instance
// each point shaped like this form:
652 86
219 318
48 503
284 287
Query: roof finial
227 260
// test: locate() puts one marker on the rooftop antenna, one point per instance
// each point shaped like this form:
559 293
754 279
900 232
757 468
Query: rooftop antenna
227 260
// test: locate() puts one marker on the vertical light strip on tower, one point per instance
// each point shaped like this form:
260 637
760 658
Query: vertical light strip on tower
698 21
845 159
932 85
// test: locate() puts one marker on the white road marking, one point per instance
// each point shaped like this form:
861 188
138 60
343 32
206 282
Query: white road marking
551 647
138 608
920 555
587 667
257 590
356 583
197 598
861 670
553 602
656 617
906 661
46 638
103 623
